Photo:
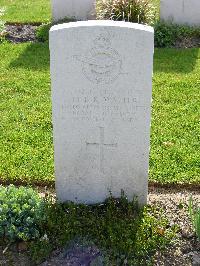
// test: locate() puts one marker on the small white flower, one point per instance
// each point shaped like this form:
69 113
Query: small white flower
44 238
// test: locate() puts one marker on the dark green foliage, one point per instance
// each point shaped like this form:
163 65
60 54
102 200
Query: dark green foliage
40 250
139 11
116 226
195 217
21 211
166 34
42 32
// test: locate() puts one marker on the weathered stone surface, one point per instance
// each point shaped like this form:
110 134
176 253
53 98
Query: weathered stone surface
101 74
77 9
180 11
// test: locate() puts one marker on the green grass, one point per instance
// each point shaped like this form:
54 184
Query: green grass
175 135
26 150
26 129
26 11
194 211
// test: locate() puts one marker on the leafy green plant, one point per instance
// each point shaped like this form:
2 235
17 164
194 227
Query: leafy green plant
42 32
139 11
116 226
194 211
40 249
166 34
21 212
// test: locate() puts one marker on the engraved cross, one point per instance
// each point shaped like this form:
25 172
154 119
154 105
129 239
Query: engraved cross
101 146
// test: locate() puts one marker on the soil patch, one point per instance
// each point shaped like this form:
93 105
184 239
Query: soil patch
188 42
20 33
78 253
186 249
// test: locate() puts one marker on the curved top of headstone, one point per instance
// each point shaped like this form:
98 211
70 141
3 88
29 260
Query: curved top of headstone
101 73
104 23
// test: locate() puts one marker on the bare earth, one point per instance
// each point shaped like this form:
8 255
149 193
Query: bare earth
17 33
184 251
21 33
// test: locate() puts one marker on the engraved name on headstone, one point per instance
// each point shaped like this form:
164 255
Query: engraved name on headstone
101 74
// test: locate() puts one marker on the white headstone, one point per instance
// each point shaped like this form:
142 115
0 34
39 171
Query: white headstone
77 9
180 11
101 74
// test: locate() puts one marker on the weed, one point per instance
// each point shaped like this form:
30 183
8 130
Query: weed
117 226
194 212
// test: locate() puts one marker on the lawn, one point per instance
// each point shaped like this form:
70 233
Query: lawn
26 146
26 150
26 11
175 137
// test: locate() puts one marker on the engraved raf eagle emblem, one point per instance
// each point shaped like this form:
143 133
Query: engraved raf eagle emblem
102 63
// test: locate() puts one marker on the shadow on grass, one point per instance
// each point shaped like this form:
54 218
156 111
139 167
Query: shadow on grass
175 60
35 57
